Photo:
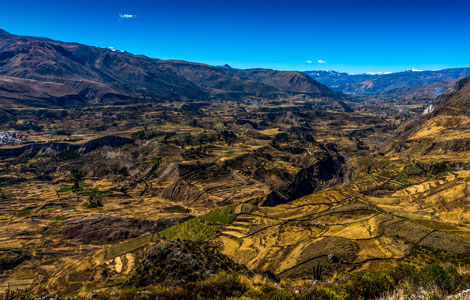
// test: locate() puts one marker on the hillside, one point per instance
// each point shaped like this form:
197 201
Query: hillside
456 101
443 131
42 72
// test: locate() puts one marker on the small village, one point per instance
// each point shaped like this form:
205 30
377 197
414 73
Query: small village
9 138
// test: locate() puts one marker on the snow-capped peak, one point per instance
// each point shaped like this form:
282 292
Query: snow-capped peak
115 50
378 73
413 70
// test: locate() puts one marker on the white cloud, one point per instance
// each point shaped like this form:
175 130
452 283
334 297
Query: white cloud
309 61
320 61
127 16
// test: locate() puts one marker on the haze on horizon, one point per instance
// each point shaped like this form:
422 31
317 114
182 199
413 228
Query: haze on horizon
348 36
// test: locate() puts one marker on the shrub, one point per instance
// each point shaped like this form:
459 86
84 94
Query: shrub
228 287
239 298
17 295
270 293
369 285
323 293
93 203
446 279
218 289
253 294
401 272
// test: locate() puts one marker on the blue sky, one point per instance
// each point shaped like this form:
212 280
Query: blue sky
351 36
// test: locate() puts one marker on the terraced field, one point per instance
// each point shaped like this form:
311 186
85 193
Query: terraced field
347 227
280 190
391 207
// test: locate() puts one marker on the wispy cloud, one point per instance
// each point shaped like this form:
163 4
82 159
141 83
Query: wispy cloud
309 61
321 61
127 16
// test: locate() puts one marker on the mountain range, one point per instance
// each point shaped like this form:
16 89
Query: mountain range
410 84
41 71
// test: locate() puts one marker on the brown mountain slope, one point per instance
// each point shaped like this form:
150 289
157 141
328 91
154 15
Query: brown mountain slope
39 71
234 84
288 81
442 132
50 71
456 101
218 82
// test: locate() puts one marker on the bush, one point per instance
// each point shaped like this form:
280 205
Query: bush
401 272
270 293
253 294
369 285
228 287
219 289
93 203
446 279
323 293
17 295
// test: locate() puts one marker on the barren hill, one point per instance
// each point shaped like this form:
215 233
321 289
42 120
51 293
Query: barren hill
39 71
443 129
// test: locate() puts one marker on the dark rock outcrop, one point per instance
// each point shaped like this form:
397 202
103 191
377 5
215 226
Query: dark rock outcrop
181 261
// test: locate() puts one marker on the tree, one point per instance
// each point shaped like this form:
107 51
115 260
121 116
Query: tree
77 176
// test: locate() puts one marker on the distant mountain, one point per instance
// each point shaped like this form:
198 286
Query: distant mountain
41 71
335 79
409 84
38 70
228 83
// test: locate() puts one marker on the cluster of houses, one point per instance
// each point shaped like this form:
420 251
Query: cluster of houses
8 138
